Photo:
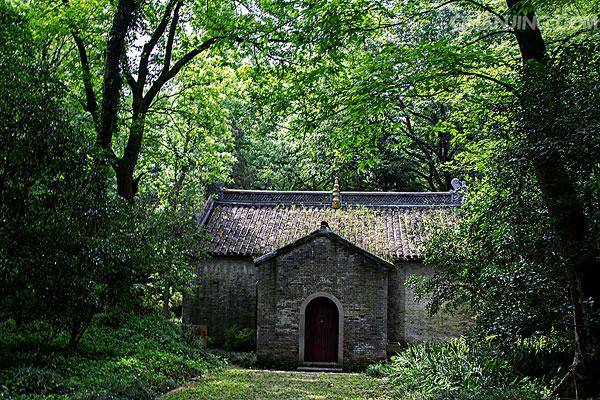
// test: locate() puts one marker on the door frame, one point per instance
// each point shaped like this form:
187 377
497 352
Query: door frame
302 328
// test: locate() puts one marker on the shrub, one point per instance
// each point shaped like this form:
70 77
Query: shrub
379 369
144 357
237 339
452 370
70 248
540 356
33 380
244 359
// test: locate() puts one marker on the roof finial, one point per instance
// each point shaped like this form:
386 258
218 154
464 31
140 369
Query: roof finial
459 190
335 195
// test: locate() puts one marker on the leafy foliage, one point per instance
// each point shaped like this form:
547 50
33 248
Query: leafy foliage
141 359
237 339
452 370
502 257
286 95
70 247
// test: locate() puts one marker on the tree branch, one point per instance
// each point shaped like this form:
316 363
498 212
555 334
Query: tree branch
487 35
91 105
165 76
484 8
149 46
505 85
171 37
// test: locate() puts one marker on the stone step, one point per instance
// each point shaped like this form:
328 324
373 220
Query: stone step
319 369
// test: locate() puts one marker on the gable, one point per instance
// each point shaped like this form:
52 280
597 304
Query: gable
324 232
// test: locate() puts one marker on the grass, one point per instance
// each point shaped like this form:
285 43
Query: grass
242 384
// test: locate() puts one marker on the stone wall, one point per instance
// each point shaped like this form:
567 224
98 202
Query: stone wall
409 321
321 265
396 305
225 296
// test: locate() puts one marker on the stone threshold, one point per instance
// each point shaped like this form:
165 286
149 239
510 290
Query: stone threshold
320 367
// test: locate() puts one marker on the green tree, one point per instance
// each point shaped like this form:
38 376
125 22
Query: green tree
571 225
542 86
148 44
69 248
495 87
189 147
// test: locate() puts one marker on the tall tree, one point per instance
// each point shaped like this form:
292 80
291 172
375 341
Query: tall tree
440 60
174 33
534 84
153 72
570 223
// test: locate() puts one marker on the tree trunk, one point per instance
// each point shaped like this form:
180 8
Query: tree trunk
166 311
569 220
583 275
111 87
106 118
76 331
127 184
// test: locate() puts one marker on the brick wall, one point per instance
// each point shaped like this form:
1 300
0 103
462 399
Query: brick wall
396 305
409 321
321 265
225 296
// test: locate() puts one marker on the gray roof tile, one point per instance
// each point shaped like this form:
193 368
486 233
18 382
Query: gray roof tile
388 225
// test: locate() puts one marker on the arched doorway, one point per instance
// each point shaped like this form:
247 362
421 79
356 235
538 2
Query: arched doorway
321 335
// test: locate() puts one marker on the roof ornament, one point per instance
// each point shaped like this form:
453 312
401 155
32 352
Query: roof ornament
458 189
325 226
336 203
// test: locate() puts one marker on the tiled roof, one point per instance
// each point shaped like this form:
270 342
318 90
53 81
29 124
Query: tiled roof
388 225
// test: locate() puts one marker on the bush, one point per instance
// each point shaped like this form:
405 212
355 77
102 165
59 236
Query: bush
33 380
144 357
452 370
540 356
237 339
379 369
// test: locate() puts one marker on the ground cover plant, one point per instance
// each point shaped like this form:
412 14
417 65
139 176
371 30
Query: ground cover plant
124 357
457 370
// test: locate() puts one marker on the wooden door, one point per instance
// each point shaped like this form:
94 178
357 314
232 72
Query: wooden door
321 331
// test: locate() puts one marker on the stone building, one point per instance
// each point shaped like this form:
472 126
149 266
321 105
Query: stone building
319 275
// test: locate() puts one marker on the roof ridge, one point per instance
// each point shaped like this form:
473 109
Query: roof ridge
348 198
316 192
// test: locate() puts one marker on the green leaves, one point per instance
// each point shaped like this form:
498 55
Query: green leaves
125 356
70 247
456 369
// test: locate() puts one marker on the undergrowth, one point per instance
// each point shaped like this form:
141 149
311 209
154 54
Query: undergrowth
455 370
136 358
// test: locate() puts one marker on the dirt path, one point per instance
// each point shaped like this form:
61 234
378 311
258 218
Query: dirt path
237 384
